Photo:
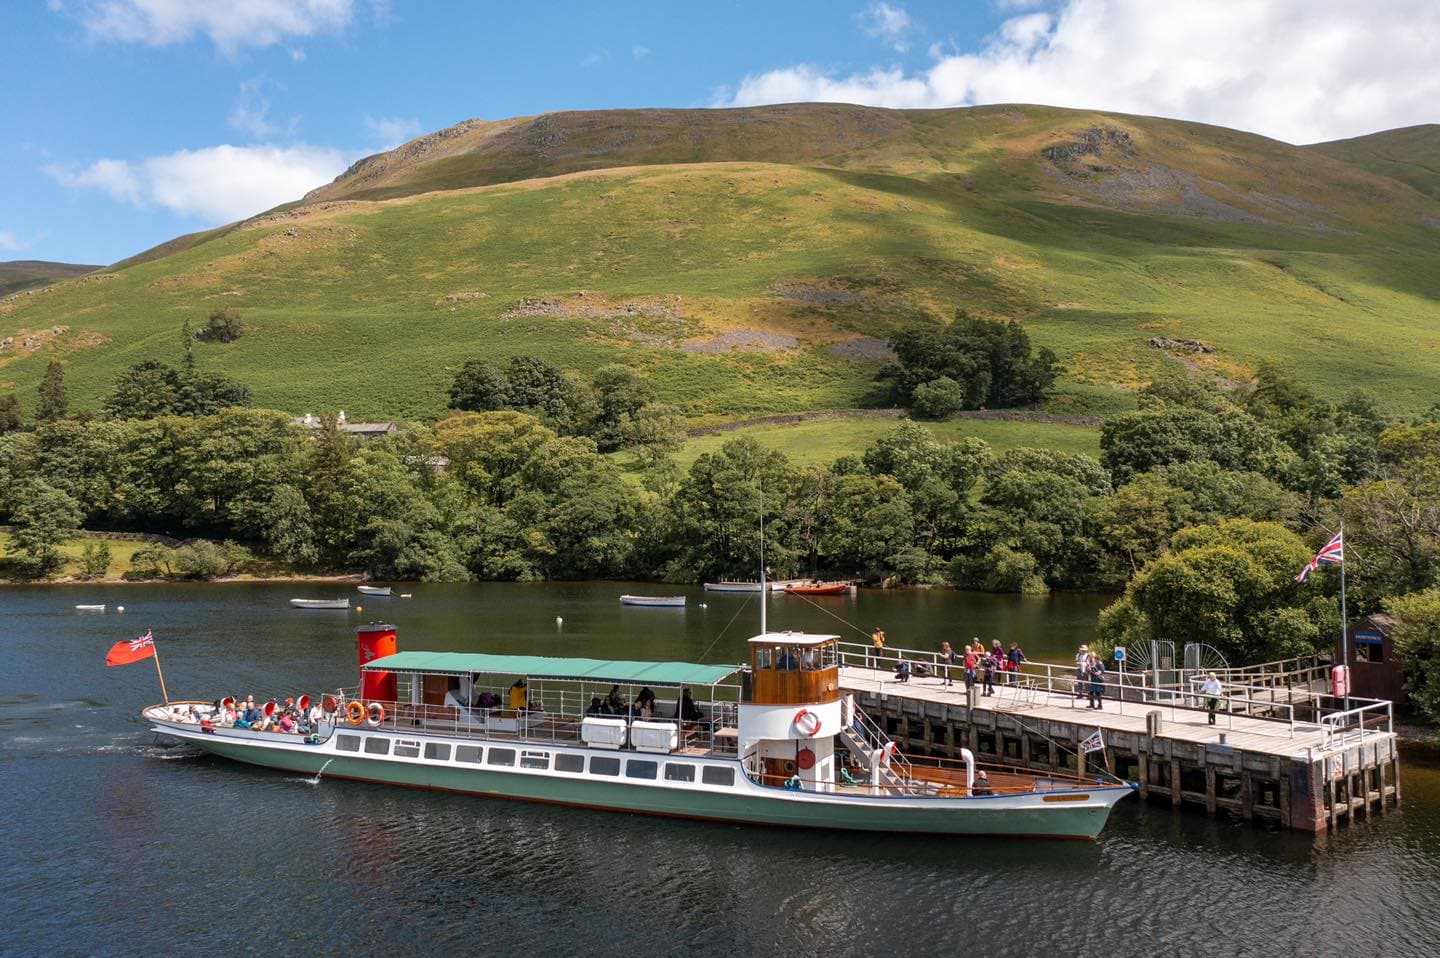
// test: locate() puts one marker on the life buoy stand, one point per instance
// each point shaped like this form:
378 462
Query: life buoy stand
376 715
329 704
807 722
354 712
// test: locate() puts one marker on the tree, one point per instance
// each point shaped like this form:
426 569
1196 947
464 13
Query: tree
151 388
1229 585
1136 442
225 326
1417 640
95 560
41 519
480 387
938 398
620 395
11 417
990 363
54 402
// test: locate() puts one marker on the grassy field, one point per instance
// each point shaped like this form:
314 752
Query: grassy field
821 442
1262 250
122 554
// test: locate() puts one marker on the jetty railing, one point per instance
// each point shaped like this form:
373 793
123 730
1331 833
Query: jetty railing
1350 725
1297 709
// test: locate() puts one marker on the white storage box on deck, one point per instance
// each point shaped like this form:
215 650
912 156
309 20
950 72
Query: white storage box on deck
654 736
603 732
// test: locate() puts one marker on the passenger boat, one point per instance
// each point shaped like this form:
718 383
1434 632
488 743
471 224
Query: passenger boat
773 742
733 585
320 603
820 588
665 601
373 589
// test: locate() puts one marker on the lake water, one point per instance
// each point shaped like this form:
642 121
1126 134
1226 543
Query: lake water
116 844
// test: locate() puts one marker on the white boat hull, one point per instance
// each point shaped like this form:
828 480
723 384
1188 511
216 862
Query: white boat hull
1069 813
654 601
320 603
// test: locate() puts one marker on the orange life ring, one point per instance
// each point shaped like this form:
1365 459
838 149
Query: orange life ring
354 712
807 722
376 716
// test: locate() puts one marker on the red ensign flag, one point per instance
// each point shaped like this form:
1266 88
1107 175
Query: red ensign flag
131 650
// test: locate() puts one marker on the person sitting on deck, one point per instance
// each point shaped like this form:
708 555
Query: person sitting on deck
252 717
518 694
286 723
615 702
596 706
902 671
982 784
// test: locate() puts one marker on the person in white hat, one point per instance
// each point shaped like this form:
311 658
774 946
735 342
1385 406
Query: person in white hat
1082 669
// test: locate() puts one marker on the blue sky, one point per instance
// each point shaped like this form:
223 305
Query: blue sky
128 122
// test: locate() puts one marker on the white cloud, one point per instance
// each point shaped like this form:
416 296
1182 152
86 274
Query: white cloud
639 52
391 131
215 184
229 24
251 113
1297 70
11 243
595 58
887 23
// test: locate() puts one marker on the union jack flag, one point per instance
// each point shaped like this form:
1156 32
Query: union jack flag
148 639
1333 553
1094 743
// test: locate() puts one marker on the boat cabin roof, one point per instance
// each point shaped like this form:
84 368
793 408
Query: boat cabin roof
549 667
792 638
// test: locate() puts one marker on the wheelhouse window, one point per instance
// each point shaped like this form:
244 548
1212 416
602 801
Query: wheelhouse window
714 775
764 658
640 769
470 754
376 745
569 763
501 756
600 765
347 743
437 751
787 658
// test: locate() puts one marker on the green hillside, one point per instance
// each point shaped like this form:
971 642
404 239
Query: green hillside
22 274
753 261
1410 155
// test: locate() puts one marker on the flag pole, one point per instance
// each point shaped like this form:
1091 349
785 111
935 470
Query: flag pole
161 674
1344 621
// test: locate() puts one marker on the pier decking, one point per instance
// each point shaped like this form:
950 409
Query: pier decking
1299 767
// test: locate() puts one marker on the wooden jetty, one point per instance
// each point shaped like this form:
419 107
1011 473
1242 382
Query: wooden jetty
1276 754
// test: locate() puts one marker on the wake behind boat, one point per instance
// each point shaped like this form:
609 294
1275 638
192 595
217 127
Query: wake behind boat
320 603
771 743
654 601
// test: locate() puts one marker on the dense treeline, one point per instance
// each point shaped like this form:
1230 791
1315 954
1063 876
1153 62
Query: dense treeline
1202 507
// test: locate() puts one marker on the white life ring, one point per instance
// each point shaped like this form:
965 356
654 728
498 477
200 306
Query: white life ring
375 715
808 722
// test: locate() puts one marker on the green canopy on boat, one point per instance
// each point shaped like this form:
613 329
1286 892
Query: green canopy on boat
547 667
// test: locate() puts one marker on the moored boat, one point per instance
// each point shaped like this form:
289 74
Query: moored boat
820 588
90 608
735 585
654 601
373 589
773 742
320 603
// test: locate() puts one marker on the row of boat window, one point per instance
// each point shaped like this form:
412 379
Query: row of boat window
564 762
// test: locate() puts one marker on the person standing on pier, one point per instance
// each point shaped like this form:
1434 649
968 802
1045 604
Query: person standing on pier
877 646
1212 690
1082 670
972 660
1096 672
989 665
943 660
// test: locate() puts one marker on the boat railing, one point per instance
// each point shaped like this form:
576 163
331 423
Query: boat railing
874 738
715 735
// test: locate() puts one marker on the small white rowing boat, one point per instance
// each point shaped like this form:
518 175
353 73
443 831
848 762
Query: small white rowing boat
665 601
373 589
774 585
320 603
89 608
